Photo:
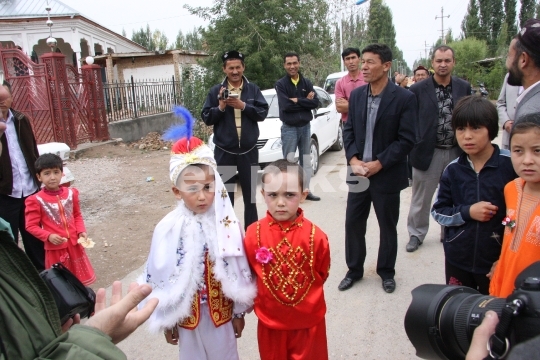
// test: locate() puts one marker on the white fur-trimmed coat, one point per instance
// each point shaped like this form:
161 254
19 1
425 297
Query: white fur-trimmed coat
175 266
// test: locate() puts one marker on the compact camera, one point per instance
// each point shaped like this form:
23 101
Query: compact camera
442 318
227 94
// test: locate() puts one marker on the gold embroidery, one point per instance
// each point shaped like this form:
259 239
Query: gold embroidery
226 221
192 320
224 193
288 280
221 307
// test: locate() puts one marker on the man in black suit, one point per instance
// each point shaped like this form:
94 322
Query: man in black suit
435 144
378 135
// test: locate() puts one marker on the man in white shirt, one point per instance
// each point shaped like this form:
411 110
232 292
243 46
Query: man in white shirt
17 174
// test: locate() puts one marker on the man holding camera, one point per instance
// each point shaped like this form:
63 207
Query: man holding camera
234 107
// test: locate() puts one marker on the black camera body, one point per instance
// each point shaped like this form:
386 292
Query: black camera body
442 318
224 95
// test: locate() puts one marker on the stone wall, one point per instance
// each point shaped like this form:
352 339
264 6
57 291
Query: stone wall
135 129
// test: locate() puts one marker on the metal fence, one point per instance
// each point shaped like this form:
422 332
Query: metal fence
128 100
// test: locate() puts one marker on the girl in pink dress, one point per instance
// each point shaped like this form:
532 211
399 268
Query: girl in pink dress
53 215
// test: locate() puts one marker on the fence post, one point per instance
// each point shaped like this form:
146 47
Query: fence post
63 121
174 91
133 98
95 107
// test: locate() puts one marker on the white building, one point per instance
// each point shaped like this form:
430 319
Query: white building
23 23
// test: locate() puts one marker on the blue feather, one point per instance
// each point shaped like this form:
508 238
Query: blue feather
179 131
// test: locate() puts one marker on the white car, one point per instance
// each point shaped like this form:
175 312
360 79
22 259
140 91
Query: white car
330 83
326 130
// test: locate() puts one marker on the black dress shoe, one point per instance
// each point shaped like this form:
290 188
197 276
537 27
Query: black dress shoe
389 285
312 197
346 284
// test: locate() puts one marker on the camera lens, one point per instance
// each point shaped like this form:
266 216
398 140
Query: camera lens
441 319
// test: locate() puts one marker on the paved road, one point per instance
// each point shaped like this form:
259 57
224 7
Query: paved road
363 322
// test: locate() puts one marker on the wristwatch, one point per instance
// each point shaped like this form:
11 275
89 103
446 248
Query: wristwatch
239 315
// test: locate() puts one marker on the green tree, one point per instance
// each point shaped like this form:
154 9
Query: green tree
144 38
191 41
510 17
527 11
124 33
468 52
471 22
264 34
159 40
380 29
491 18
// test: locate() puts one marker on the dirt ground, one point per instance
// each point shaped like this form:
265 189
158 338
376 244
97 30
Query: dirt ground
124 192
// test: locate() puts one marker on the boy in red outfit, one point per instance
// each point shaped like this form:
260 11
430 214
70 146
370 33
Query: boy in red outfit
291 258
53 215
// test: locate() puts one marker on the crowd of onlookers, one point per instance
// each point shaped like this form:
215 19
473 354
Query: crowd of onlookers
200 263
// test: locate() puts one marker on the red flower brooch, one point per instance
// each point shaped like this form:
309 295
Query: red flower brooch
507 221
263 255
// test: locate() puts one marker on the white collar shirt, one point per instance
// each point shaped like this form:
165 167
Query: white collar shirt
524 93
23 184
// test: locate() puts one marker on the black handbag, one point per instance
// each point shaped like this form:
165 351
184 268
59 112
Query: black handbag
69 293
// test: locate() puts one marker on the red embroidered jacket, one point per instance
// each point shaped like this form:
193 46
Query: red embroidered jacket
57 212
290 286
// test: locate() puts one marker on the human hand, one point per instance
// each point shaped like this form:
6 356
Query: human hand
492 270
482 211
236 103
171 335
508 125
83 235
358 167
222 103
238 326
57 239
311 95
478 349
121 318
70 322
373 167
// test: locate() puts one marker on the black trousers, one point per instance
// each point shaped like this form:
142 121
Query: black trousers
12 210
457 276
247 166
386 207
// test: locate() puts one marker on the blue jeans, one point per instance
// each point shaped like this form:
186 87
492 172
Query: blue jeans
293 137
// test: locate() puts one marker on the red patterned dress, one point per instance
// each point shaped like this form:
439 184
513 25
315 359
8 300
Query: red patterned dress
58 212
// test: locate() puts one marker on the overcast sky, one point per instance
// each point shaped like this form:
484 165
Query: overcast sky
414 20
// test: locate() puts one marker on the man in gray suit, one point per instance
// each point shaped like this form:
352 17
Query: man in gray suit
435 142
523 64
506 106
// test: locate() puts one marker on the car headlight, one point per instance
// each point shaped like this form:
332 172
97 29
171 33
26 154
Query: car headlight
276 145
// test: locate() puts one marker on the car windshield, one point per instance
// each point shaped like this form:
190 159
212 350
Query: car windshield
330 85
273 108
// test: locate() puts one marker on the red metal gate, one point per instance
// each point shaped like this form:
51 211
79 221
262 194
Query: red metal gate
62 104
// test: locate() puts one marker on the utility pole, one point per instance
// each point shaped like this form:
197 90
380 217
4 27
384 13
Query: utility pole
425 48
443 39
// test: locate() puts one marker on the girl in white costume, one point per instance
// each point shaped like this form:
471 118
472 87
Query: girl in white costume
197 266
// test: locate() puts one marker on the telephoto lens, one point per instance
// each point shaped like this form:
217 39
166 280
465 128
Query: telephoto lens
441 319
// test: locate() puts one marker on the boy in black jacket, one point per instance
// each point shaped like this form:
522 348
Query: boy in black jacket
470 202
